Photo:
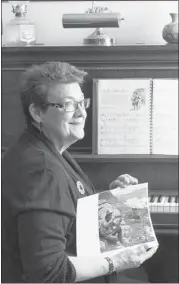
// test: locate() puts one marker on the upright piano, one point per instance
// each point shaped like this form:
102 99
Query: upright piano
118 61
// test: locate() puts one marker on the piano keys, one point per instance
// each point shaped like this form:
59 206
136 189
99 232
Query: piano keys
163 207
163 204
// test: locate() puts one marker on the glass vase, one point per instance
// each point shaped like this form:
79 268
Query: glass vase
170 31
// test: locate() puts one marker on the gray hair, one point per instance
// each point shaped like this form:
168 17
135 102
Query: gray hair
38 79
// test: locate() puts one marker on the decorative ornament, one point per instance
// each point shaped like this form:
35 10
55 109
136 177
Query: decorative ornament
80 187
20 30
170 31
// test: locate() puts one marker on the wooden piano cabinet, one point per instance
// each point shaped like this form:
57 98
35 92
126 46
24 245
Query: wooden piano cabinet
160 175
163 266
155 61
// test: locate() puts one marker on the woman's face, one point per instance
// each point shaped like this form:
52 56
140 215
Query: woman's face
66 127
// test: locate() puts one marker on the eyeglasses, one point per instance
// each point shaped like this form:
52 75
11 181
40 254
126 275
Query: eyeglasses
71 105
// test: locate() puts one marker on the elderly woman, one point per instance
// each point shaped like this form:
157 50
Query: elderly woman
41 184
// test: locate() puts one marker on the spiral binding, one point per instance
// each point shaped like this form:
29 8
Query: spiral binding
151 115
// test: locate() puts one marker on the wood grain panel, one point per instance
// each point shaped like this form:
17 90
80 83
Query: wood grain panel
13 121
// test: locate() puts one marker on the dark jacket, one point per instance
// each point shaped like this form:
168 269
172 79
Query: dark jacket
39 199
40 189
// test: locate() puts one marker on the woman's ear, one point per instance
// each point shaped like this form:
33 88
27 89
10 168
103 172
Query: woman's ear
35 113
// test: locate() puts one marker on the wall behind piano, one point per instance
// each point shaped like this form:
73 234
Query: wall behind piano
144 20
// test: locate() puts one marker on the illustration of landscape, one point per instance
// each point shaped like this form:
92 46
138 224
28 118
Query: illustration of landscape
124 219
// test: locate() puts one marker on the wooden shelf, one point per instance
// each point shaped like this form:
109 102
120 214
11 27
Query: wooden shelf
94 57
95 158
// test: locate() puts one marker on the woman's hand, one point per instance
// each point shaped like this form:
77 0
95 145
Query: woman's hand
123 181
132 257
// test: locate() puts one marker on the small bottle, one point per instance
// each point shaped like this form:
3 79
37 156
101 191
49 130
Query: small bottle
20 30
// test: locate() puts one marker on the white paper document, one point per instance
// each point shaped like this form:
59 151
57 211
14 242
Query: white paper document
135 116
123 116
165 117
114 220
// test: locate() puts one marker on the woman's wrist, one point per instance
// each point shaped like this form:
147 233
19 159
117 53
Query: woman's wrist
88 268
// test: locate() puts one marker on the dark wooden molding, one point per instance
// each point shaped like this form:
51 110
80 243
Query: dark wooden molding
166 230
135 57
99 158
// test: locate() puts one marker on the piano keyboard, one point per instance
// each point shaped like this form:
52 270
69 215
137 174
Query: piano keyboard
163 204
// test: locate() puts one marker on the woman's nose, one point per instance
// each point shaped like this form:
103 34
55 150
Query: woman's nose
81 110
